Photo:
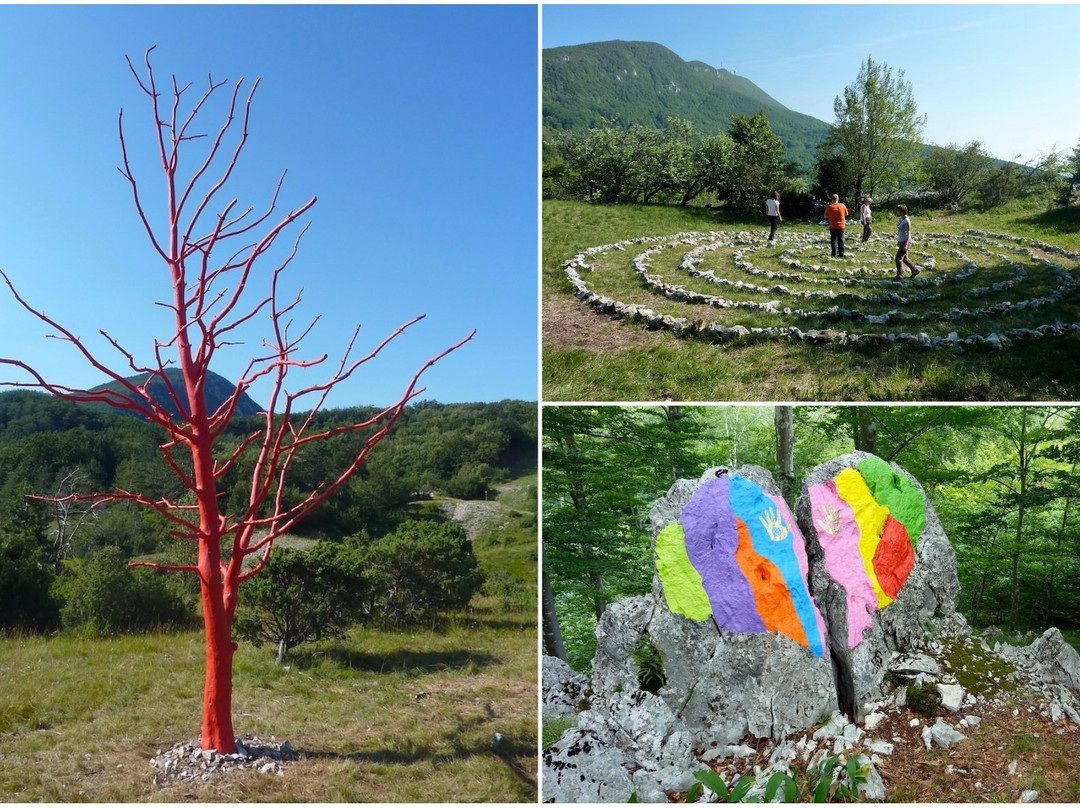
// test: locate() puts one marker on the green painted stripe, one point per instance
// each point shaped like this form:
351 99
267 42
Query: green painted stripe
682 583
897 493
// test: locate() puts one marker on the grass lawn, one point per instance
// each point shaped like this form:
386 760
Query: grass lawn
378 717
592 357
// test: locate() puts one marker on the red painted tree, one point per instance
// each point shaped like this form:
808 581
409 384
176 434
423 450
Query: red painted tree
209 308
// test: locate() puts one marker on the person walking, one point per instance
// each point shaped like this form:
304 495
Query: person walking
772 210
837 214
903 243
866 216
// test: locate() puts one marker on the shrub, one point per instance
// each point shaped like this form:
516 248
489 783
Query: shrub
420 570
923 700
101 595
303 596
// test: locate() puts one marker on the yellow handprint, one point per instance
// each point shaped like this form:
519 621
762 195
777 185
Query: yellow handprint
830 520
774 525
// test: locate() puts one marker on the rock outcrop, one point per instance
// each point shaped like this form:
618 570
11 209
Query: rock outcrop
774 641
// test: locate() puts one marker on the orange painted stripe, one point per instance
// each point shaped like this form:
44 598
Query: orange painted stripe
771 593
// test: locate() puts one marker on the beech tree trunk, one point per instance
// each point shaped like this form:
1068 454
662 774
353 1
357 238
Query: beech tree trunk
783 420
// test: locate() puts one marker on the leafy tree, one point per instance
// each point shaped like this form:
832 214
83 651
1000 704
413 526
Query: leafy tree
303 596
877 129
26 571
102 595
1002 184
603 467
420 570
954 173
756 165
1069 185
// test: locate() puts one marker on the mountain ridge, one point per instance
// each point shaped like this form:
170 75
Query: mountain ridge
645 83
217 390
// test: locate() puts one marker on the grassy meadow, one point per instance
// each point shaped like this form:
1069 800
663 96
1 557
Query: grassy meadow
381 716
588 356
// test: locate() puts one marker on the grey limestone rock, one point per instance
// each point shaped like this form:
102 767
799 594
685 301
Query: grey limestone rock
579 767
562 688
1049 657
943 735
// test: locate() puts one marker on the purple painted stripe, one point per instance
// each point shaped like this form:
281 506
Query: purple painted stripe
711 540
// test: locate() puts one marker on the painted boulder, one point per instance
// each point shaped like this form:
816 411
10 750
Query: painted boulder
742 641
880 566
735 555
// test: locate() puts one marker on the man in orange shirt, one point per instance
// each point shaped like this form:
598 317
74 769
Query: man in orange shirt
836 213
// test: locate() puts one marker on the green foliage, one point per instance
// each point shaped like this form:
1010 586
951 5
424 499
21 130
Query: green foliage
818 785
923 700
421 570
303 596
610 164
26 574
650 665
472 481
954 173
101 596
756 167
462 449
635 82
877 129
1068 186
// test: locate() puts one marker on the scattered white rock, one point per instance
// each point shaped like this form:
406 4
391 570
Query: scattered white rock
873 721
952 697
1029 795
943 735
881 747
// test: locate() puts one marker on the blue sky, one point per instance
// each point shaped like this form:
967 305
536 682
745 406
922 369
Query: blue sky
1000 74
415 126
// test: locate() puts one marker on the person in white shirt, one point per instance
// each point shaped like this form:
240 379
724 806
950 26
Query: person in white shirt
903 243
772 210
866 216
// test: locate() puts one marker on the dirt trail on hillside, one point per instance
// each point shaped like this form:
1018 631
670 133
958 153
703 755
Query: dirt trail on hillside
476 515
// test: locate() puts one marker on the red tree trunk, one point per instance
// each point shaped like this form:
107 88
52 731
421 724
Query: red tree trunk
217 729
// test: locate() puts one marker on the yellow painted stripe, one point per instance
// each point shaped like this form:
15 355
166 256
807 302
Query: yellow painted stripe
870 517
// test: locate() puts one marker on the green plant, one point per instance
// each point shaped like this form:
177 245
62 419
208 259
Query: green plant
820 785
553 729
706 778
650 665
302 596
923 700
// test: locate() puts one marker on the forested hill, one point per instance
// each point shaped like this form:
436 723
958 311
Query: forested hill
461 450
218 388
645 83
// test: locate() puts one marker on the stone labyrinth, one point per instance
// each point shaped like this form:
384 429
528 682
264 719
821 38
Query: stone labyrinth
977 289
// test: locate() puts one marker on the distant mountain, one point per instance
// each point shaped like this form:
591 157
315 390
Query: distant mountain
218 388
645 83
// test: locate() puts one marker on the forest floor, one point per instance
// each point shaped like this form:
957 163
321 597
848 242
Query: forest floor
593 357
442 713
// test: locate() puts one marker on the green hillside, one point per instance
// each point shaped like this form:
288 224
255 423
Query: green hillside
645 83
